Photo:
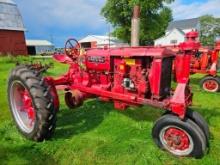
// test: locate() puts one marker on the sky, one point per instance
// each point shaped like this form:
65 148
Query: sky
58 20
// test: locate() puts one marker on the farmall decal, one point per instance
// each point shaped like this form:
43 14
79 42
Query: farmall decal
96 59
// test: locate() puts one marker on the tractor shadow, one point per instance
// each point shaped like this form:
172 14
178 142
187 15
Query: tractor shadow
143 113
91 115
81 119
24 155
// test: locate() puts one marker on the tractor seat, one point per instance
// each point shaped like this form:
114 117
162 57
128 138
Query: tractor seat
62 58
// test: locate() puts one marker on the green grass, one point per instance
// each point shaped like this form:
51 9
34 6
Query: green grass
98 134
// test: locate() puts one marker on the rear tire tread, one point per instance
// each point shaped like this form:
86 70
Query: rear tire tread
42 101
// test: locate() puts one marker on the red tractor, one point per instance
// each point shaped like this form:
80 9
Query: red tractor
132 76
203 61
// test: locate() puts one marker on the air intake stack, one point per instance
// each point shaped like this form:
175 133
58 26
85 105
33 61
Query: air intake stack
135 26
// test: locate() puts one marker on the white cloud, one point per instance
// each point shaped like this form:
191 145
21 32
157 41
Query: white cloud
81 13
195 9
66 13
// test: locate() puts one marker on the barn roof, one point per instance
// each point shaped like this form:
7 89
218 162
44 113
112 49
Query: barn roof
184 24
10 17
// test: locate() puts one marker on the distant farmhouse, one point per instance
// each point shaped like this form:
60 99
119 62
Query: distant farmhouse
12 38
96 41
176 31
36 47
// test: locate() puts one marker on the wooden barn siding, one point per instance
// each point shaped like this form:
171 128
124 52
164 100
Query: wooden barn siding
12 42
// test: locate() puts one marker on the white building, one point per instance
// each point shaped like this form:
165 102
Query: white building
39 47
176 31
95 41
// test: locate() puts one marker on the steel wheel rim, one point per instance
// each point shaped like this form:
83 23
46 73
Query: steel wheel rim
22 107
180 149
210 85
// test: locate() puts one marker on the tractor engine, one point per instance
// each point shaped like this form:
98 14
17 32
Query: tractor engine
138 73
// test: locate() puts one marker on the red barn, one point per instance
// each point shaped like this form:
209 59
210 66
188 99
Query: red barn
12 38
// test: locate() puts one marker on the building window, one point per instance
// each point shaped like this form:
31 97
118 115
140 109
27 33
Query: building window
173 41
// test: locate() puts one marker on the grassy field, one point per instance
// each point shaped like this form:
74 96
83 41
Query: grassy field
97 134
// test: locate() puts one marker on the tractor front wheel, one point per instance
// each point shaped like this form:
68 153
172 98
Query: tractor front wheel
73 99
200 121
31 104
210 84
180 138
197 118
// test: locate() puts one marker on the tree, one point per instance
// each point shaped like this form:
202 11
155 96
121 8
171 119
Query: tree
210 29
155 17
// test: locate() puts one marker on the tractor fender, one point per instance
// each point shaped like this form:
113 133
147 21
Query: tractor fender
62 58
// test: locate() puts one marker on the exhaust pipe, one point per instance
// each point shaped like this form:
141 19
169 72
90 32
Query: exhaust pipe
135 26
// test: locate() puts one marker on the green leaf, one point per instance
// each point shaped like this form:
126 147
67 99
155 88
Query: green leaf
155 17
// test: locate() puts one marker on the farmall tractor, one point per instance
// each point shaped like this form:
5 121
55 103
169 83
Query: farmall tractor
132 76
203 61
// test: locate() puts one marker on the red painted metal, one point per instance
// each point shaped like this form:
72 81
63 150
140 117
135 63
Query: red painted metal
177 139
210 85
217 45
155 80
180 99
12 42
23 104
28 106
131 76
63 58
203 60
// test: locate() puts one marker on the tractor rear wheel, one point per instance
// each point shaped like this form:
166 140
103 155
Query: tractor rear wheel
180 138
210 84
31 104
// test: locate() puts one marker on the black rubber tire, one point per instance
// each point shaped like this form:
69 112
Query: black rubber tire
197 135
200 121
217 79
42 101
72 101
69 100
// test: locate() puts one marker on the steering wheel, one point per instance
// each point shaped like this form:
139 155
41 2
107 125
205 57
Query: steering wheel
72 48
